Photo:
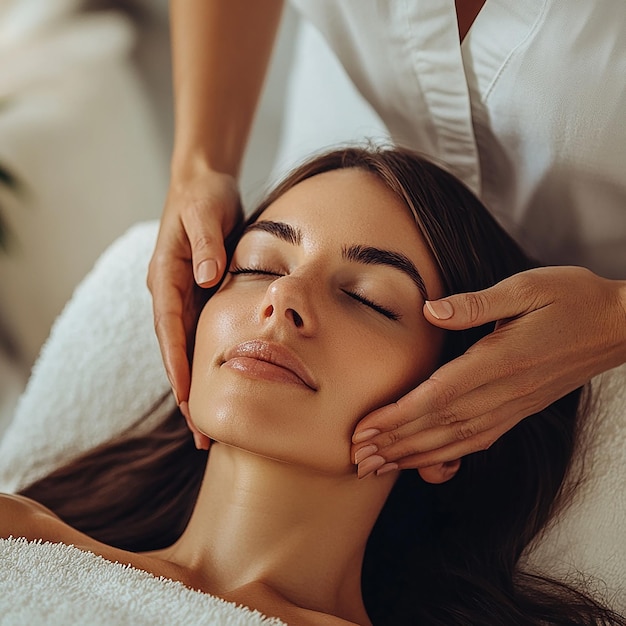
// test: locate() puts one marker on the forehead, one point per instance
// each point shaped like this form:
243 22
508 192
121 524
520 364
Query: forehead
347 204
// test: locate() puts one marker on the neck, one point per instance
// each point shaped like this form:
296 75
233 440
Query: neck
299 532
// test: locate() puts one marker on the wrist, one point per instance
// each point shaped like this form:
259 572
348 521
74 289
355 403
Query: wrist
188 165
209 144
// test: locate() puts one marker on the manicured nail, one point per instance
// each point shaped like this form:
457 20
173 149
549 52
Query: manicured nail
363 453
196 440
206 272
370 465
440 309
364 435
387 467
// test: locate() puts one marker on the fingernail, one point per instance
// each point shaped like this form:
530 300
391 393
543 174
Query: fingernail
206 272
364 435
440 309
370 465
363 453
387 467
196 440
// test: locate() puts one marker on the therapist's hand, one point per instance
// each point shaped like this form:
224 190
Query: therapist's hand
557 327
200 210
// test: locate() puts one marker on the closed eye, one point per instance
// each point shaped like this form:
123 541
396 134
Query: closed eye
260 271
235 271
372 305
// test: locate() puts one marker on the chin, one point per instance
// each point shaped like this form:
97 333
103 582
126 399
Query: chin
284 439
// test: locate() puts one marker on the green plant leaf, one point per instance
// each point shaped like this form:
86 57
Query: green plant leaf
7 179
4 234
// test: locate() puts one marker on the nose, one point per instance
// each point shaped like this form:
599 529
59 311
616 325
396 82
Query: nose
288 300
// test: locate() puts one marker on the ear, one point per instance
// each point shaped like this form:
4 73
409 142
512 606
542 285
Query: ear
441 472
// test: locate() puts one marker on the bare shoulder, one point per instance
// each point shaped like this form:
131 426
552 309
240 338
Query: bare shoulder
22 517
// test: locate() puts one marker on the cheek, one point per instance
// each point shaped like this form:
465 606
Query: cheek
220 322
222 317
380 372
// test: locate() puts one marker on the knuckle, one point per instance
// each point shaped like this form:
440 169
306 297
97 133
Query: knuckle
466 430
517 373
525 286
150 281
512 365
405 448
529 290
390 438
158 325
508 368
476 306
157 267
398 415
204 243
441 392
152 272
447 416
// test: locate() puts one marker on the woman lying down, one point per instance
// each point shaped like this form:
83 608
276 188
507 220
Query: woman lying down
318 322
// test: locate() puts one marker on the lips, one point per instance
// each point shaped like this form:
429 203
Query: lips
271 353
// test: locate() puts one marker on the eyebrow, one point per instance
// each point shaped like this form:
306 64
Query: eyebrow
377 256
283 231
368 255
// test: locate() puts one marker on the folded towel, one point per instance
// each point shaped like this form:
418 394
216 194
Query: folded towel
100 374
53 584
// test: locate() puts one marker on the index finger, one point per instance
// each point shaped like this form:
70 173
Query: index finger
451 381
170 332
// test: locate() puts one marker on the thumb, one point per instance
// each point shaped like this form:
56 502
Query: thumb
467 310
208 255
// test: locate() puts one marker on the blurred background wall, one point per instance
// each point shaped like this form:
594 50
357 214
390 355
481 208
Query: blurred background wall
85 137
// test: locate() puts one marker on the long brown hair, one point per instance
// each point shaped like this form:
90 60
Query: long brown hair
446 554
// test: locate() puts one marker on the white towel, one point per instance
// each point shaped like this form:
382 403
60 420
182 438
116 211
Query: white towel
100 372
52 584
589 536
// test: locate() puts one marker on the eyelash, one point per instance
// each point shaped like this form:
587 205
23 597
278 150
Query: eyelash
372 305
252 270
235 271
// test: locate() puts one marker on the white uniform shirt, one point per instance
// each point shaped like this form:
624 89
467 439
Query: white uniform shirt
530 110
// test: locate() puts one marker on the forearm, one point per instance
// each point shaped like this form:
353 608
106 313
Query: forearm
220 53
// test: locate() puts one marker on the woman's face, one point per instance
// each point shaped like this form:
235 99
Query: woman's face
318 323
